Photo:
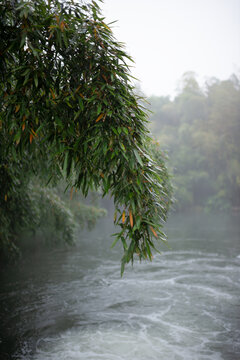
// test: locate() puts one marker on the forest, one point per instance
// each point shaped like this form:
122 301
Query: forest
199 130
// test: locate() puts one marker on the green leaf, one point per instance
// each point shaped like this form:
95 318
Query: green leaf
139 160
122 267
35 79
17 136
114 242
122 146
114 130
148 251
99 109
65 163
124 243
80 102
23 39
77 115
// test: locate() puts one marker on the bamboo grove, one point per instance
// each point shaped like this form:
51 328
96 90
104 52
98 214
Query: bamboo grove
68 110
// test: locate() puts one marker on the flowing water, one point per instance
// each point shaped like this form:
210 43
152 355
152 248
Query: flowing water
72 304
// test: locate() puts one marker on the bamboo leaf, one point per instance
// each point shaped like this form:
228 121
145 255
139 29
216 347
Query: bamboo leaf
131 218
153 231
35 80
99 117
123 217
53 95
139 160
114 242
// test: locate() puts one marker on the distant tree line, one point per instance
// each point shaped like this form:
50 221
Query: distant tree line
200 129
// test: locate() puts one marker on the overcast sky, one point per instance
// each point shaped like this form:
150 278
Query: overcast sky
166 38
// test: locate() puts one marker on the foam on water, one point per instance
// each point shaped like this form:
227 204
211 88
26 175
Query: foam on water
176 314
122 343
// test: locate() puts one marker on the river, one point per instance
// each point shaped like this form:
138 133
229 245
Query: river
72 304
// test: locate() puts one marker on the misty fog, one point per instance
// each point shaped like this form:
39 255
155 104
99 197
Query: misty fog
62 296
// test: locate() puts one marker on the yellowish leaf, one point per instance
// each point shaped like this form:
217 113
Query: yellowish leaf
153 231
106 26
53 95
51 34
62 26
31 138
123 217
131 218
17 108
34 133
77 89
5 197
99 117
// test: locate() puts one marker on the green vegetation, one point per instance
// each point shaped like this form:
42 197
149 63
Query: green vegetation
38 215
68 112
200 129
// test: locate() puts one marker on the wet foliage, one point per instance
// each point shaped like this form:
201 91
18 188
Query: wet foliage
68 110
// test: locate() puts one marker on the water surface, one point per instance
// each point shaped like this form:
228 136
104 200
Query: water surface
72 304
